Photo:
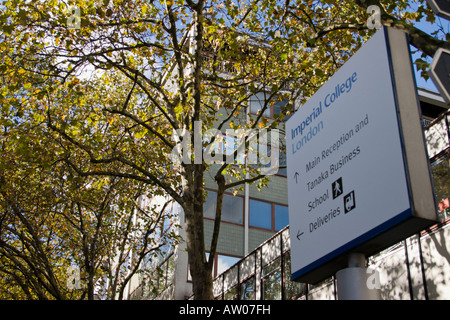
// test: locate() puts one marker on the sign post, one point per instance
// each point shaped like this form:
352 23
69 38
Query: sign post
358 172
357 282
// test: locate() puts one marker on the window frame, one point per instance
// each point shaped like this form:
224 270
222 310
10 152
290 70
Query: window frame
272 216
241 290
275 272
270 107
225 221
442 160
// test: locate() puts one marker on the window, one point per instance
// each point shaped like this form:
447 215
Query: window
426 121
257 102
283 163
161 278
231 294
209 207
248 289
292 289
441 179
268 215
268 163
167 225
260 214
266 151
277 108
233 143
281 217
272 280
232 207
225 262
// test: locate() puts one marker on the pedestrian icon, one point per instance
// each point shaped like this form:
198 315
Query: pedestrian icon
349 202
337 188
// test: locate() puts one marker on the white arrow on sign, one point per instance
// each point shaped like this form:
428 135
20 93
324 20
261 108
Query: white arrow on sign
440 7
440 72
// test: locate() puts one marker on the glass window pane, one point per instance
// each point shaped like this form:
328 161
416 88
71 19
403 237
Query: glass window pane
248 289
272 286
231 294
225 262
274 265
291 289
260 214
257 103
441 180
277 107
162 277
283 163
281 217
231 145
170 269
272 281
232 209
209 207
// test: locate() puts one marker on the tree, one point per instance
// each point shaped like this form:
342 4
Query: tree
52 221
117 86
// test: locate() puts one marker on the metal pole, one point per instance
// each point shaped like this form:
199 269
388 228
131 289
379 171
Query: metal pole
357 282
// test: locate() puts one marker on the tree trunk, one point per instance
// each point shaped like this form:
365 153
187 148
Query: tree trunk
201 271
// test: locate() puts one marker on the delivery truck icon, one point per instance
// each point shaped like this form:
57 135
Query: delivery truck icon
349 202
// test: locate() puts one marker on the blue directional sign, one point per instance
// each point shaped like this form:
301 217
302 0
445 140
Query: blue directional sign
353 183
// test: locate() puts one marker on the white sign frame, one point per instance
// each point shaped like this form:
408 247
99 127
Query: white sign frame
344 195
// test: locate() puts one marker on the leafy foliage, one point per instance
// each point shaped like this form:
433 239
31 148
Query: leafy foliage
91 97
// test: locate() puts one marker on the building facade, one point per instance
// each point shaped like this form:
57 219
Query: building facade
417 268
253 255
